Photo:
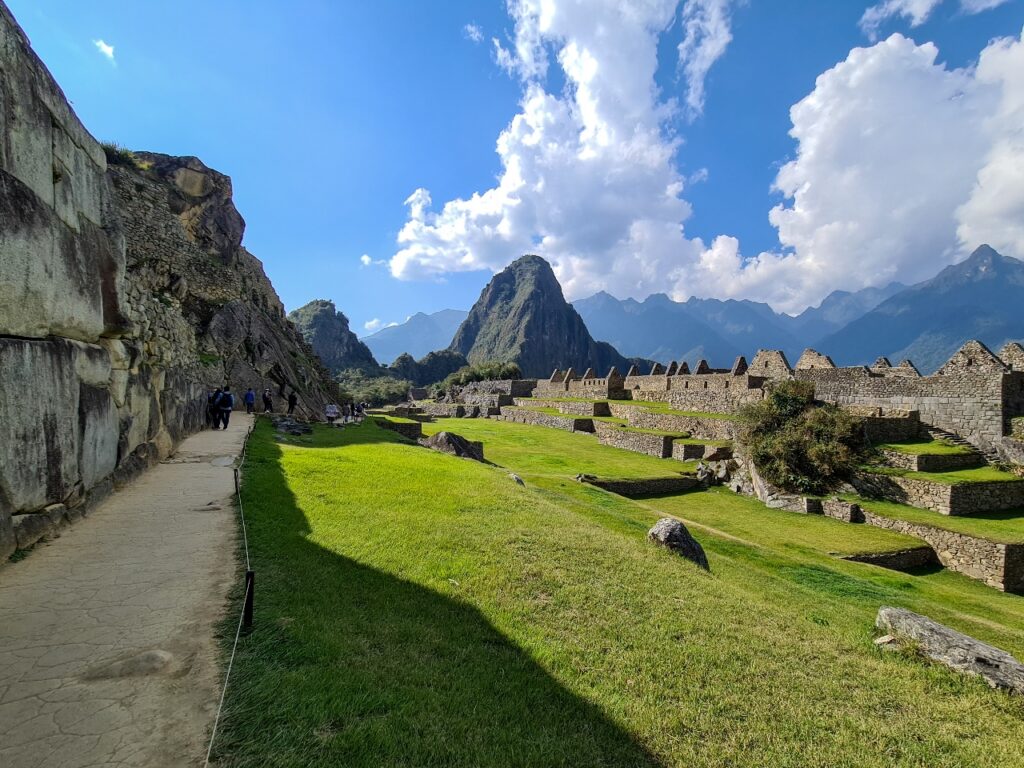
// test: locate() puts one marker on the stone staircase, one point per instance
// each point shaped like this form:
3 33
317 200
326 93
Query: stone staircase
989 456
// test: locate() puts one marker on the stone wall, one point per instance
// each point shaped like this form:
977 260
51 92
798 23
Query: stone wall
582 408
900 560
124 293
541 419
450 410
412 430
931 462
651 486
700 427
977 406
959 499
659 446
998 565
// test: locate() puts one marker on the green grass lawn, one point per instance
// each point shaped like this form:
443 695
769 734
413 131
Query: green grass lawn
986 474
533 450
927 447
1006 527
415 609
396 419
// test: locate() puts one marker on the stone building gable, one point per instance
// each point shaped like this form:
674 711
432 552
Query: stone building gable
771 363
973 357
1013 355
811 359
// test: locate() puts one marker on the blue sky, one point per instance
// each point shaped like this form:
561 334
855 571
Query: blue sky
329 115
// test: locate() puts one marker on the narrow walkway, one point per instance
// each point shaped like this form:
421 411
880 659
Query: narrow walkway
107 653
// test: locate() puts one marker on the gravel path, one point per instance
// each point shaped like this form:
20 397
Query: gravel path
107 649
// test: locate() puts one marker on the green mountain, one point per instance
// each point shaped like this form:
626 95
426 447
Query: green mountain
326 330
522 317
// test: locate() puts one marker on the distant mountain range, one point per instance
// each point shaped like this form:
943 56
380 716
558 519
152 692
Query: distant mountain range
980 298
420 334
718 330
522 316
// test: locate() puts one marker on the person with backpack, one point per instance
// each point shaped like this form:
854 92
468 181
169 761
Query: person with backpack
212 414
268 401
250 400
293 400
224 406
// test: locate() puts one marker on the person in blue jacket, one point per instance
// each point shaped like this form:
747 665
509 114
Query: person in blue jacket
250 400
224 406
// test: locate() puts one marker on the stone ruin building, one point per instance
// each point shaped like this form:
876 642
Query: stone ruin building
975 395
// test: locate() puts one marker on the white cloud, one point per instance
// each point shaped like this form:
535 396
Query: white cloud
366 261
903 166
589 179
105 49
708 34
473 32
376 324
917 11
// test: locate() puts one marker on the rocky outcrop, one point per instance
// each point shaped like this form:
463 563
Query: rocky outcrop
326 330
124 294
671 533
522 317
456 445
951 648
431 369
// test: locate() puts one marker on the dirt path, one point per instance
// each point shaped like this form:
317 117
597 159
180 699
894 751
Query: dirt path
107 654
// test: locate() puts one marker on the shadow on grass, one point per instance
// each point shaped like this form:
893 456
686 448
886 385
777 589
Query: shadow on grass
351 666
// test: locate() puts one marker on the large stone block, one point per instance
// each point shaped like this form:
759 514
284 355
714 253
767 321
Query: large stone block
98 425
39 437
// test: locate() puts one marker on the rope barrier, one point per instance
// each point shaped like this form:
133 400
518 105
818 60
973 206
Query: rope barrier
245 617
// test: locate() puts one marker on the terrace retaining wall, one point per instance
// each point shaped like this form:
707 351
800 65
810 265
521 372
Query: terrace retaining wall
931 462
659 446
959 499
651 486
410 429
998 565
700 427
537 418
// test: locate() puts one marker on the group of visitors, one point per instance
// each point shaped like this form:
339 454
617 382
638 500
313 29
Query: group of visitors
346 414
219 405
221 402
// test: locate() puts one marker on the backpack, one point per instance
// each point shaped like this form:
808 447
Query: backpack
226 401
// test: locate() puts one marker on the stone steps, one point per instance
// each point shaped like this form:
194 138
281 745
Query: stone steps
936 433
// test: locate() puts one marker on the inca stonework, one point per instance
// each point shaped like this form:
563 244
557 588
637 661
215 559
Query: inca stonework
124 294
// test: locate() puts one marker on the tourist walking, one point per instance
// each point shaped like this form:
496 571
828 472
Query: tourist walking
293 400
332 412
224 406
212 415
250 400
268 401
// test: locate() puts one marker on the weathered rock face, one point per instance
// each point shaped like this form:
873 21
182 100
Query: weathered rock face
124 294
456 445
326 330
671 533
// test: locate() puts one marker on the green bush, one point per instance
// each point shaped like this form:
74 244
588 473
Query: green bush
800 445
489 371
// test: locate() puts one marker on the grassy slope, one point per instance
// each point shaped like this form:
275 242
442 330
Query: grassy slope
486 624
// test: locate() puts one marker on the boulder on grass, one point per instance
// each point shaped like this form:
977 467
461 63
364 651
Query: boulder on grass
951 648
671 533
456 445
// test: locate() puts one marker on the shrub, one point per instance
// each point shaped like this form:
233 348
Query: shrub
489 371
800 445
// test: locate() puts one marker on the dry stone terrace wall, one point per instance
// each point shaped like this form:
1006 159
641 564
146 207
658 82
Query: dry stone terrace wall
582 408
541 419
931 462
700 427
116 285
659 446
959 499
998 565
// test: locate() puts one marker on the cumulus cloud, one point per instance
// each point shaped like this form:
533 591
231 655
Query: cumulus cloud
371 326
106 50
917 11
708 34
588 174
473 32
366 261
902 167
